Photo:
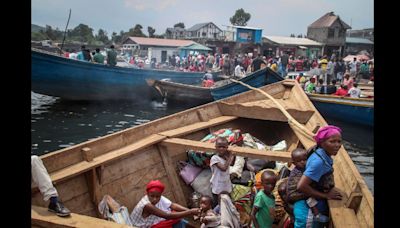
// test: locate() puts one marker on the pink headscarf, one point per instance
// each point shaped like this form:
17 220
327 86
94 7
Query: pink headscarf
326 132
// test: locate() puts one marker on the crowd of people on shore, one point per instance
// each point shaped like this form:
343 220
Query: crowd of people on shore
302 194
239 65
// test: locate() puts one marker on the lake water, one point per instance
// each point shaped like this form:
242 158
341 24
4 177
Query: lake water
56 124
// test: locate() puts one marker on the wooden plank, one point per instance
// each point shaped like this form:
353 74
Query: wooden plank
84 166
182 145
87 154
264 112
365 215
81 204
286 95
43 218
197 126
93 187
354 201
172 175
115 170
343 217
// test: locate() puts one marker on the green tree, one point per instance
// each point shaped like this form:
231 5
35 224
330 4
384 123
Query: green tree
102 36
37 36
151 31
240 18
82 33
118 38
180 25
113 35
50 33
136 31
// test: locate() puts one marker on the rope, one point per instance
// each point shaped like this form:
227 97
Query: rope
292 121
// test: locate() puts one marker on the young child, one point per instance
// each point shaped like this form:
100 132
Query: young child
264 204
299 157
282 187
208 218
219 163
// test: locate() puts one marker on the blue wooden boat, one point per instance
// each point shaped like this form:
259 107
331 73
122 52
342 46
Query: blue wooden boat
352 110
78 80
257 79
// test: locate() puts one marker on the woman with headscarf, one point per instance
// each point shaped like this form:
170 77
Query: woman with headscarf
317 180
156 211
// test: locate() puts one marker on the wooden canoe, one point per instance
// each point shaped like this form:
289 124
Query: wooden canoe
352 110
176 92
261 77
71 79
120 164
181 93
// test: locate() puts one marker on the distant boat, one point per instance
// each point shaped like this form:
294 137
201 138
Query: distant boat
181 93
256 79
70 79
352 110
191 94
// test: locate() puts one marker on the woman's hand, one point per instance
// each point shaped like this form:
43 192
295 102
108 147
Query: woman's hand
334 194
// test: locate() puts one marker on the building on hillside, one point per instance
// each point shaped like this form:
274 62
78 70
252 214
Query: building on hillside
246 39
208 31
242 34
363 33
355 45
329 30
175 33
160 49
277 45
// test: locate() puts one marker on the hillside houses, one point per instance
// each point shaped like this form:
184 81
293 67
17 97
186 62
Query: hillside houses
329 30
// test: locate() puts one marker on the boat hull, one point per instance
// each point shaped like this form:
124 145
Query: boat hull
78 80
345 109
181 93
259 78
122 163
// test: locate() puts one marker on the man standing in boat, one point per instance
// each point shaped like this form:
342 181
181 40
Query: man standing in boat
112 56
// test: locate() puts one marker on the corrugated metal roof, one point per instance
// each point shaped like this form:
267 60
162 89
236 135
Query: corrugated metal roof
292 41
327 20
357 40
196 46
246 27
198 26
160 42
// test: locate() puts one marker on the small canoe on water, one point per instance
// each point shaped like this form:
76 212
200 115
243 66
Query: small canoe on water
353 110
122 163
191 94
181 93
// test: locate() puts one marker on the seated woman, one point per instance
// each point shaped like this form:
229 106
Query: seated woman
317 179
155 210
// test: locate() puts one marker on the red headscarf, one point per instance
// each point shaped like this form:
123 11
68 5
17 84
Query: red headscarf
326 132
155 185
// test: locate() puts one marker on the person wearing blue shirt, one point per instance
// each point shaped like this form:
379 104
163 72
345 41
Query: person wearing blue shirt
317 180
